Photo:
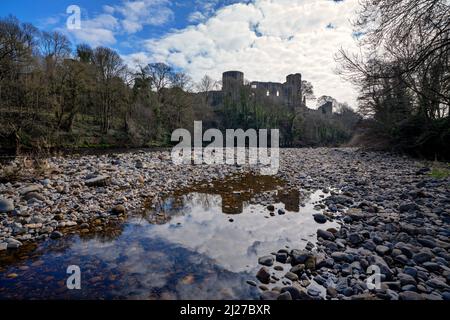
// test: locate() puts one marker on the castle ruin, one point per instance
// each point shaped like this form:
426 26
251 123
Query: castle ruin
289 93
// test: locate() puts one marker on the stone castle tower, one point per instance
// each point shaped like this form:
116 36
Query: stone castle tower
232 83
289 93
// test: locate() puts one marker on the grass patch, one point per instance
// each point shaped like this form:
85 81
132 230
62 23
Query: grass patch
440 172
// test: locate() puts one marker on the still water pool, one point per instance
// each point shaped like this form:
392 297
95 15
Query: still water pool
200 243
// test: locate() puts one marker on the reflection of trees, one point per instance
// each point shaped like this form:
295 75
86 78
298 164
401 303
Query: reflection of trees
33 251
234 192
291 199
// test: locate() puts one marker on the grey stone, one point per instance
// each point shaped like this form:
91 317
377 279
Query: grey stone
313 291
263 275
298 269
30 188
406 279
382 250
380 262
296 293
291 276
326 235
411 271
422 257
410 206
269 295
437 284
320 218
410 295
355 238
34 196
13 243
285 296
342 257
251 283
6 205
282 257
99 181
300 256
56 235
266 261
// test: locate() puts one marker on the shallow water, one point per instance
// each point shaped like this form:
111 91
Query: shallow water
201 243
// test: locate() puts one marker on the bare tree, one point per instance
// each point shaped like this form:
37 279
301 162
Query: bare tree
205 86
161 75
110 69
182 81
55 45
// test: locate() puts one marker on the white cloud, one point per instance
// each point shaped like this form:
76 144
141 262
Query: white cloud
108 9
137 59
137 14
266 39
196 16
98 31
128 17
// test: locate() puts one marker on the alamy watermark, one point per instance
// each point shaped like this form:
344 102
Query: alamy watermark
74 280
240 147
74 20
373 282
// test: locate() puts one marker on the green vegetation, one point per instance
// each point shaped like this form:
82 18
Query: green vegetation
440 172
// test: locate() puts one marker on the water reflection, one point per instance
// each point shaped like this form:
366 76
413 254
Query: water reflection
196 222
201 243
238 190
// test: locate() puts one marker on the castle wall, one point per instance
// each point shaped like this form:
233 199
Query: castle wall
289 93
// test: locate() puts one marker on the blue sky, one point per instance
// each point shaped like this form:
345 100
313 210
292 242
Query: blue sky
266 39
170 15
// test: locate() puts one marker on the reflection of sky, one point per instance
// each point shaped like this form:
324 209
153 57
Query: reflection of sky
236 246
199 254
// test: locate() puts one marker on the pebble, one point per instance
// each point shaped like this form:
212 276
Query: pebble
286 296
251 283
320 218
313 291
263 275
382 250
410 295
56 235
291 276
326 235
6 205
269 295
30 188
99 181
118 210
266 261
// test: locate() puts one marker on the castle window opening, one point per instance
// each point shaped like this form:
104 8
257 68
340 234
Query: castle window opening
278 93
254 86
268 93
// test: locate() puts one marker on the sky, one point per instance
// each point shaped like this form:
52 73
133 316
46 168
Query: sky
266 39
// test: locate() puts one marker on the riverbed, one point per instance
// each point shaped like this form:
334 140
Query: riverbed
141 228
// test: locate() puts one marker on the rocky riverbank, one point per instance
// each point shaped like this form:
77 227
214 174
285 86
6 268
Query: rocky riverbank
392 215
83 194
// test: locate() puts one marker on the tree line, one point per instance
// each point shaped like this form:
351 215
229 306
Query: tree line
54 94
403 73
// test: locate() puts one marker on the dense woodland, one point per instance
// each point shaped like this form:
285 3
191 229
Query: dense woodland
56 94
